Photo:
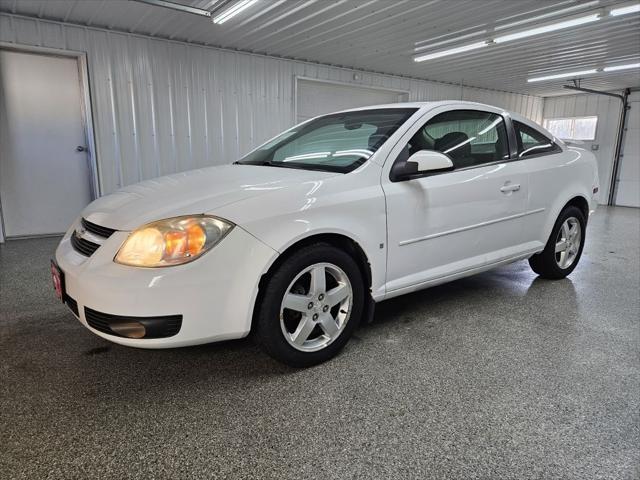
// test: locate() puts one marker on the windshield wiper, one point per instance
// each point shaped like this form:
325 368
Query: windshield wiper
295 166
265 163
269 163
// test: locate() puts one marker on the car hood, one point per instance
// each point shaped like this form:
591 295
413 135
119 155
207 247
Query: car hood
193 192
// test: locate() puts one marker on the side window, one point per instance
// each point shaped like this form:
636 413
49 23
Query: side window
533 142
468 137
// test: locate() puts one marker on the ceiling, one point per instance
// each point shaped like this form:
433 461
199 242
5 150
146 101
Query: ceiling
383 35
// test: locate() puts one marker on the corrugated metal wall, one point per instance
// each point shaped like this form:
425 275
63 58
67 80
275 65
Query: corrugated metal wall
607 110
161 107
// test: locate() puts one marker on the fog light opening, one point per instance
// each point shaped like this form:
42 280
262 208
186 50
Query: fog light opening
129 329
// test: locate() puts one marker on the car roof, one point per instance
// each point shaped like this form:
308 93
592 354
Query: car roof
415 105
425 106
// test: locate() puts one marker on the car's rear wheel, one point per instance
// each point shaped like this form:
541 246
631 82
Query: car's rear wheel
564 247
311 305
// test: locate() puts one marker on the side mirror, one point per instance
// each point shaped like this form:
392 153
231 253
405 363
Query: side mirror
430 161
421 163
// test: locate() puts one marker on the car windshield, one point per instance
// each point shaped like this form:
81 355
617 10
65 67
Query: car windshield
340 142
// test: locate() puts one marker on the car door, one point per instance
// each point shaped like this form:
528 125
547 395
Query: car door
449 223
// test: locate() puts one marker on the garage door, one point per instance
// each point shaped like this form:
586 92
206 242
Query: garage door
628 192
317 97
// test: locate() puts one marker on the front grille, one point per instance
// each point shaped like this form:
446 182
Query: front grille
154 327
97 229
72 304
85 247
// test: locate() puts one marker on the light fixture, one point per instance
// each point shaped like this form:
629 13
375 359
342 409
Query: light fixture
233 11
615 68
451 51
552 27
616 12
547 16
563 75
428 45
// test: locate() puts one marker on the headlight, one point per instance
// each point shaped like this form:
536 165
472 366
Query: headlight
173 241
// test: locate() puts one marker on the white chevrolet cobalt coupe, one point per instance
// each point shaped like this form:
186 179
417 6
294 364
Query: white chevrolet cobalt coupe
299 239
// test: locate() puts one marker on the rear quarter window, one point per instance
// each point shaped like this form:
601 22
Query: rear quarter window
533 142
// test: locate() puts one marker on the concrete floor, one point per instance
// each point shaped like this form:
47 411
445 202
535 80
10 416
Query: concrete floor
500 375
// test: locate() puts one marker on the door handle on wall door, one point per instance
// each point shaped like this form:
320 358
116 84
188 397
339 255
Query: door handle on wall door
80 148
510 188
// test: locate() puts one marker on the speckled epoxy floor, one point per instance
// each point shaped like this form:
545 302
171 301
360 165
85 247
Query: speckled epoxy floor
500 375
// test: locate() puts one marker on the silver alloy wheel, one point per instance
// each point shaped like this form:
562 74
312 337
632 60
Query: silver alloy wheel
316 307
568 242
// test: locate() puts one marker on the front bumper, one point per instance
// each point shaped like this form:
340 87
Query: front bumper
214 294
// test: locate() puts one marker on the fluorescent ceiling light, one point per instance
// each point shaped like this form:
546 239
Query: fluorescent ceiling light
431 46
452 51
615 68
547 28
563 75
555 13
233 11
624 10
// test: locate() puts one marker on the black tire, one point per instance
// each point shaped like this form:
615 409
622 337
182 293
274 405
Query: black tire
269 331
546 263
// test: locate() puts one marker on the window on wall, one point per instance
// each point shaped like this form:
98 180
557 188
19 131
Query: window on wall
572 128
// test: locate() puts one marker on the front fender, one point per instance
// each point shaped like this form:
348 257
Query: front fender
330 207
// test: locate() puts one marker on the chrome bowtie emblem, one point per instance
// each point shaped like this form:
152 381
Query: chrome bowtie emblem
80 232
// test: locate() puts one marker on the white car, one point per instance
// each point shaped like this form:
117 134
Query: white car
299 239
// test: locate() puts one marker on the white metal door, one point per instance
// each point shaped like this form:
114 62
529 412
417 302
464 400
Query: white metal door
628 189
314 97
453 222
44 180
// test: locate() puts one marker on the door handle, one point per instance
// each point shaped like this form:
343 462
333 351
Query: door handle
80 148
510 188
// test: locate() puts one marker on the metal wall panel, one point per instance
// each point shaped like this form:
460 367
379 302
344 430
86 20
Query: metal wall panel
161 106
607 110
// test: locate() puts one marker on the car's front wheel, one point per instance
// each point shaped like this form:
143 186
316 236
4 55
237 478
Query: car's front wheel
564 247
310 306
